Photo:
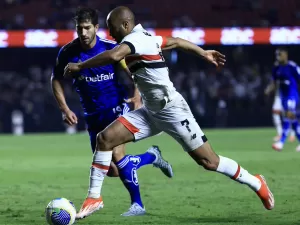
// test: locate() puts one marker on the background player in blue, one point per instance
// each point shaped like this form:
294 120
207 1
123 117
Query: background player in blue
102 99
286 76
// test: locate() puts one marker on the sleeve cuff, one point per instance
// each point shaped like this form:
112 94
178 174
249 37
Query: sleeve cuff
131 46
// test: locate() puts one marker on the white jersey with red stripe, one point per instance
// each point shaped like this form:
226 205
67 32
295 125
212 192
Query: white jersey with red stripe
148 66
164 108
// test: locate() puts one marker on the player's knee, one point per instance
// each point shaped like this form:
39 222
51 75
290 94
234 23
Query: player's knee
103 141
290 115
277 112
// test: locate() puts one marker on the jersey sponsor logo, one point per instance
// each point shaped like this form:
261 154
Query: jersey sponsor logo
134 176
100 77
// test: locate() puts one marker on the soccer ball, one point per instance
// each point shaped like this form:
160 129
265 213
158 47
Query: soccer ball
60 211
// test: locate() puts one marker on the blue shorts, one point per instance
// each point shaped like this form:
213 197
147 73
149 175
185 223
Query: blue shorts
99 121
290 104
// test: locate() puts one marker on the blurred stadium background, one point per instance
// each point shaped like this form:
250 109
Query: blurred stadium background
247 31
37 168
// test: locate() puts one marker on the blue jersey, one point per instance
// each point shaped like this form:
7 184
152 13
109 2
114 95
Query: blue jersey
287 76
101 95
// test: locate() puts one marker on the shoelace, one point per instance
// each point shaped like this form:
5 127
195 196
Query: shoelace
135 208
161 164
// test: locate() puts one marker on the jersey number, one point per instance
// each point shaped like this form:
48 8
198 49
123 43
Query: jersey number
118 109
186 124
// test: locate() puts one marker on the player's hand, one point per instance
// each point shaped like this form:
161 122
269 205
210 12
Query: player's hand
215 58
269 89
267 92
136 102
69 117
71 68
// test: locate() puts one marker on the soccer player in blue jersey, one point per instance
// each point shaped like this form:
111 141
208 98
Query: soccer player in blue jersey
102 99
286 76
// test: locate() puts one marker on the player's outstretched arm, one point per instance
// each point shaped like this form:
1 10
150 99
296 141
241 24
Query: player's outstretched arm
211 56
105 58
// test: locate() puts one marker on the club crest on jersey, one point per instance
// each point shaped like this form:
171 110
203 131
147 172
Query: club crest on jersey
135 160
80 78
100 77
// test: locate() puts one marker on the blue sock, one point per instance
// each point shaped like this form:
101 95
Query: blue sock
129 177
142 159
296 128
285 129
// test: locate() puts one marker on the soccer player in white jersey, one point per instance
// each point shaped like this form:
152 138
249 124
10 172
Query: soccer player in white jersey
164 108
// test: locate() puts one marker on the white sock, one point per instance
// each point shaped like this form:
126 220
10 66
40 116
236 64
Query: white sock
292 133
231 169
277 123
99 169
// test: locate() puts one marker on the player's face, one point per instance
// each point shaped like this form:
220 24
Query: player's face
116 30
86 32
281 56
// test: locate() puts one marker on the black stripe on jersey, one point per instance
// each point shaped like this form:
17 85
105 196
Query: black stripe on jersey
204 138
140 65
130 45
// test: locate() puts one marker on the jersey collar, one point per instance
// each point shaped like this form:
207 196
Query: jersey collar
138 27
95 48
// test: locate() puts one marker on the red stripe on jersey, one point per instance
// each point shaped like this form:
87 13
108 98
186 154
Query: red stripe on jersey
128 125
130 59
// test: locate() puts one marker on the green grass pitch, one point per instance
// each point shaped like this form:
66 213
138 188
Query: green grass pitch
35 169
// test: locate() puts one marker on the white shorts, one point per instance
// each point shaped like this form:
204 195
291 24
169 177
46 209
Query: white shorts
277 106
175 119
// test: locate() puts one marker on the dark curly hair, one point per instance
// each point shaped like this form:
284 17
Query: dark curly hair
84 14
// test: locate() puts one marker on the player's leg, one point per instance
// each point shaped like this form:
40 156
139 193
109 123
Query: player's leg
278 124
292 136
126 167
126 170
276 114
117 133
114 135
289 118
291 115
179 122
113 170
149 157
206 157
128 174
295 125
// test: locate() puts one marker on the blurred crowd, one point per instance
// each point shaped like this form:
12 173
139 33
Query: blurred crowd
57 14
231 97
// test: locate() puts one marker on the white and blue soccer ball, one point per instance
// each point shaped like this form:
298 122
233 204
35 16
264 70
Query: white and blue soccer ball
60 211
